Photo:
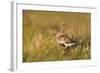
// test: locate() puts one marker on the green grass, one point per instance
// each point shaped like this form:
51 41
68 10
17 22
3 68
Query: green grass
39 28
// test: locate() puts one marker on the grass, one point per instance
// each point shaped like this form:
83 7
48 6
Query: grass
39 28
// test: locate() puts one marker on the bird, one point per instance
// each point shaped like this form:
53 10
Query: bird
64 40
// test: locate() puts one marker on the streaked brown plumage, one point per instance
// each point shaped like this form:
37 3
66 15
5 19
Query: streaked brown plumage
63 39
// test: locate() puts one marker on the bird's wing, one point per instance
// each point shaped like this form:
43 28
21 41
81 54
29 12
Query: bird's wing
69 45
